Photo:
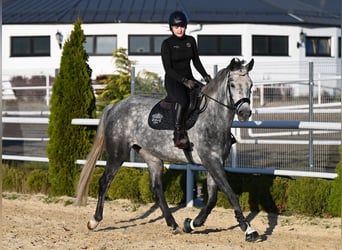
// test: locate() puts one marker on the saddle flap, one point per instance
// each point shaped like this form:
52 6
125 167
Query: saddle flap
165 104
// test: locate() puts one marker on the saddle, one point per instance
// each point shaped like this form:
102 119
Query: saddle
162 115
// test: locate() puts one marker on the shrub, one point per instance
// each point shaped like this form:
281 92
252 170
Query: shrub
37 181
334 206
13 180
126 185
174 186
308 196
254 192
279 192
222 201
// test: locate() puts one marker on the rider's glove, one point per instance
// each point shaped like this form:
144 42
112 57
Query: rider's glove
189 83
207 78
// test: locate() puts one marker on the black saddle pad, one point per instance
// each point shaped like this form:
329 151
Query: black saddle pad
162 116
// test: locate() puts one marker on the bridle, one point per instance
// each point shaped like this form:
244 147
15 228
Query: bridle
231 105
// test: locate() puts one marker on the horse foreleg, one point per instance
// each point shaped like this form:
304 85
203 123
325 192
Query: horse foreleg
189 224
219 175
104 184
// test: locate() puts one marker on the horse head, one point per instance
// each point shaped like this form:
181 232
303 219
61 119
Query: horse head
239 87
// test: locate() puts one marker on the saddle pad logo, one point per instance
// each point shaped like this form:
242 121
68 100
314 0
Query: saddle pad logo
156 118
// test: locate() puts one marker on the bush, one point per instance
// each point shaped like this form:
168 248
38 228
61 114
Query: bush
279 193
37 181
335 195
308 196
174 186
254 192
126 185
13 180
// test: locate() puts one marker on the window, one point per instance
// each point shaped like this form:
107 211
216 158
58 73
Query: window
22 46
317 46
100 45
270 45
219 45
145 44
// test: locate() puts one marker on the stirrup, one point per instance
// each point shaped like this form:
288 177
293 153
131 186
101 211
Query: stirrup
181 139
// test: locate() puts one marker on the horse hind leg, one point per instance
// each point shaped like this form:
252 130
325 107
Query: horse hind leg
111 169
189 224
155 167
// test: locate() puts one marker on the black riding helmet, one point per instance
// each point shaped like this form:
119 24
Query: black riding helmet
178 18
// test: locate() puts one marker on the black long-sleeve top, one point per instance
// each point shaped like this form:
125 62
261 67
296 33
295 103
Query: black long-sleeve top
176 56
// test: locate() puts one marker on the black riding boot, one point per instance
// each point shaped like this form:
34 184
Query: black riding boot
180 137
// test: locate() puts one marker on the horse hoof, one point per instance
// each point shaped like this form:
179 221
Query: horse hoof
177 230
187 226
253 236
92 224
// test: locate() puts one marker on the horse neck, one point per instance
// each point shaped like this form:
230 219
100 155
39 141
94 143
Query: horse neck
215 112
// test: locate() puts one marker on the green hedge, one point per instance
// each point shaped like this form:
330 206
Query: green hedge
133 184
37 181
309 196
334 203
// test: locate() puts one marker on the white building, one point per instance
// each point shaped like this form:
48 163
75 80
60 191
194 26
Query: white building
282 37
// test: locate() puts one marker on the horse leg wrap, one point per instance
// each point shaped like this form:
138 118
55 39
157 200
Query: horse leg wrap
242 221
250 234
188 225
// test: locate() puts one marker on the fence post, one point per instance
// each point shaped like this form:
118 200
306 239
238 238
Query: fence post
215 70
189 186
311 96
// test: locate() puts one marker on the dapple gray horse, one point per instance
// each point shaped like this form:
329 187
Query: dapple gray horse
124 126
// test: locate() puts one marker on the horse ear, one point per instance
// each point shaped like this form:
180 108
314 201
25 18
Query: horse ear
234 64
250 65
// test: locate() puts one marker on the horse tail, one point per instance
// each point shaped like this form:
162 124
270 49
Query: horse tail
93 156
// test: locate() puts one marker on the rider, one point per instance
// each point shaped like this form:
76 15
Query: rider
177 51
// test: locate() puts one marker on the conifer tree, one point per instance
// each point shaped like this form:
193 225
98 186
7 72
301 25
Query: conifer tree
72 97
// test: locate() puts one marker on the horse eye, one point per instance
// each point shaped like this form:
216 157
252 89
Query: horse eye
232 85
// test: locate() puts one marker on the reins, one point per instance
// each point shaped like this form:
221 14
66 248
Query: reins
206 96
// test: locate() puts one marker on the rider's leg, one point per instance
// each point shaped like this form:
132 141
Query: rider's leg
180 137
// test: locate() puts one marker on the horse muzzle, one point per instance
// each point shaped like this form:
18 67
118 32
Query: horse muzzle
243 109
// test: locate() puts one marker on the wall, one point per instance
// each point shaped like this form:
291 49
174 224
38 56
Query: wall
105 64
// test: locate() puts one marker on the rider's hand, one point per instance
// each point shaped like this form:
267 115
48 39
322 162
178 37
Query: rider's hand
190 83
207 78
